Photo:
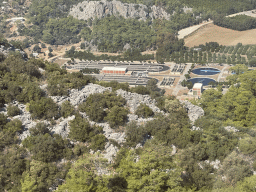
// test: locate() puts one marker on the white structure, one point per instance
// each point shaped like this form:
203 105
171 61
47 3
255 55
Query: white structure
197 89
35 54
114 70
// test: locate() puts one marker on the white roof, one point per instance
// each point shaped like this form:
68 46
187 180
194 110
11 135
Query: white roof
198 85
114 68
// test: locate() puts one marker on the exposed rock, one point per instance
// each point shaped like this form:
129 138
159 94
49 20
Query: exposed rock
194 112
44 87
216 164
231 129
135 99
187 9
139 145
7 50
144 120
79 96
159 12
110 152
132 117
103 8
126 46
25 118
194 128
109 133
59 99
174 150
63 127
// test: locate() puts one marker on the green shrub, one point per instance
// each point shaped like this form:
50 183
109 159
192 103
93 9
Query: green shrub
13 110
8 131
115 85
134 134
12 165
96 103
140 90
66 109
45 108
234 168
39 129
98 142
80 149
247 145
81 130
144 111
116 116
47 148
40 176
3 121
43 45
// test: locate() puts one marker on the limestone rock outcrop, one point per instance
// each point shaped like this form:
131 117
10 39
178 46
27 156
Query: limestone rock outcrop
103 8
79 96
5 50
135 99
194 112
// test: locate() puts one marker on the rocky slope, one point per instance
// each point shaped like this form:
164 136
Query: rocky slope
6 50
103 8
78 96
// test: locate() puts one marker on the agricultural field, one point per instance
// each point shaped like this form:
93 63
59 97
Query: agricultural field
221 35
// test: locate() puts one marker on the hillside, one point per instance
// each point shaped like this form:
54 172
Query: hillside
61 129
213 33
64 130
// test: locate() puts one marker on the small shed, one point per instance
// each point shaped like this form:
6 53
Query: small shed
114 70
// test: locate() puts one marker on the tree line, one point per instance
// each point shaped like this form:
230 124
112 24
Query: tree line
239 22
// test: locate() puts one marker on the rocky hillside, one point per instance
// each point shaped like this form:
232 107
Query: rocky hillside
76 97
5 50
103 8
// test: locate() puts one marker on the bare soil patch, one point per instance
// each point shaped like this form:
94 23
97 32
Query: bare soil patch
224 36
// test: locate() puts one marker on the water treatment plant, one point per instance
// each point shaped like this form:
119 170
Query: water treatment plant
169 75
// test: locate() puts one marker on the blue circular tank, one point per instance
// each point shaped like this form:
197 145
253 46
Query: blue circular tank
206 71
205 81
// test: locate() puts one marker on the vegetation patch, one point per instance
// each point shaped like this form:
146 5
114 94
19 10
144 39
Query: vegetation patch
239 22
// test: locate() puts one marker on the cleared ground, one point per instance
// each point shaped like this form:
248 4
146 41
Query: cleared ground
184 32
224 36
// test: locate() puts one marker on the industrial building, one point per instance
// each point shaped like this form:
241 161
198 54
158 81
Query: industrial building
114 70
